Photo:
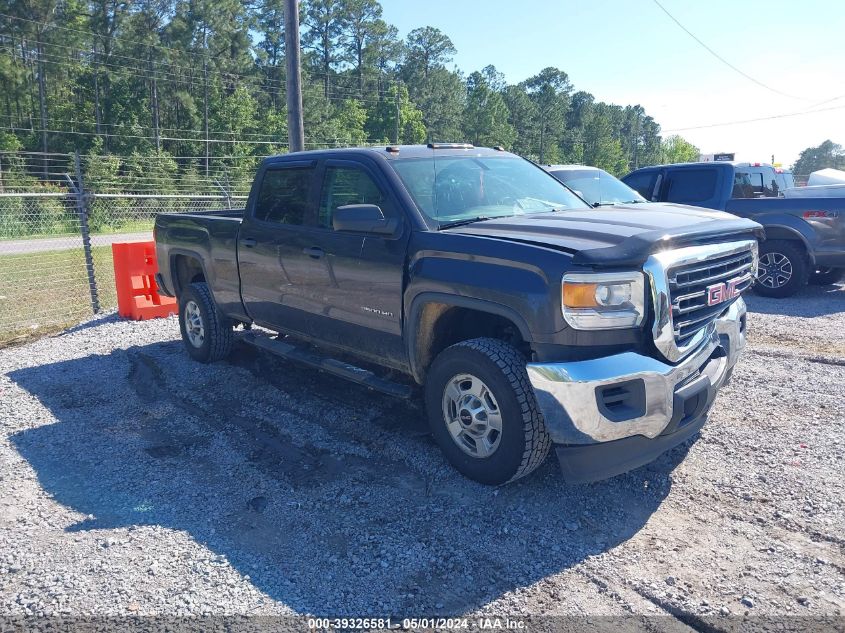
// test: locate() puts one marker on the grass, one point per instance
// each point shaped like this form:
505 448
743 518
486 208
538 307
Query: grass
132 226
42 292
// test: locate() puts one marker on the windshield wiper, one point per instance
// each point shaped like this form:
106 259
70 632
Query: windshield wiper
478 218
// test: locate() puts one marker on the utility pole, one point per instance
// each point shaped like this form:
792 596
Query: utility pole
637 142
398 113
293 84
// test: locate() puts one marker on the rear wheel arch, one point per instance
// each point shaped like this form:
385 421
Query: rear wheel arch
437 321
186 268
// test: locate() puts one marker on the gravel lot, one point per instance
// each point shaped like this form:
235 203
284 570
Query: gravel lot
134 481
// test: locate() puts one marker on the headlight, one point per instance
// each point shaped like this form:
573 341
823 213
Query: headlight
603 301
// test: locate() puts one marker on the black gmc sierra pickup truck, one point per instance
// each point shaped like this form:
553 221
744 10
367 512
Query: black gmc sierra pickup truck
531 319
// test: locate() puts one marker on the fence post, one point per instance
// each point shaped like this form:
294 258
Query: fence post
225 191
82 210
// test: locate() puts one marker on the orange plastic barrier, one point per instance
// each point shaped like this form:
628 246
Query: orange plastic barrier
135 267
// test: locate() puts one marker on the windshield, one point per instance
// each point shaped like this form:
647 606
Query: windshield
454 188
596 186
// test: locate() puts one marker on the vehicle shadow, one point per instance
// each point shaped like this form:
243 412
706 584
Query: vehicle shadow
107 317
810 301
331 499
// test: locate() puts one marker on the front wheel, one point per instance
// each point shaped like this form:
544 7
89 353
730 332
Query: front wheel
207 334
782 270
482 411
827 276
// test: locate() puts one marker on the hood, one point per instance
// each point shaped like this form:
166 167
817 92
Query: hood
621 235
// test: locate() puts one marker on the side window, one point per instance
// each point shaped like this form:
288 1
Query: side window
691 185
642 183
348 185
284 195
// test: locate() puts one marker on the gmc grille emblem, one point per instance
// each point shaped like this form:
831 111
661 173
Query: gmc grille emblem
721 292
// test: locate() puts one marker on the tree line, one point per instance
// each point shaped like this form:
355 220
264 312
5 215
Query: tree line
826 155
206 78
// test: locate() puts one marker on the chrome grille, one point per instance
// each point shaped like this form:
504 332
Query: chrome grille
688 291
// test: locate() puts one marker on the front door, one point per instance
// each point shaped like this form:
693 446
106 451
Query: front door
361 293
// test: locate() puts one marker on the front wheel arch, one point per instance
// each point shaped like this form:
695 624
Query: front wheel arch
428 308
790 234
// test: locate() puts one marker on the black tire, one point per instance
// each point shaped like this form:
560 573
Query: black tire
217 334
523 443
783 269
827 276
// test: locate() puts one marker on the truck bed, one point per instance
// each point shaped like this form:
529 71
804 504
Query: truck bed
204 236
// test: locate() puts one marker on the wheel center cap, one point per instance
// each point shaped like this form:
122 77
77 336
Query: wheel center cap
466 417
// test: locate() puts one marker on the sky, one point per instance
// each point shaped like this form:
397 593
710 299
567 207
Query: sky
631 52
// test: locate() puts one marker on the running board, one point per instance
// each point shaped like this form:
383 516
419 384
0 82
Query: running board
329 365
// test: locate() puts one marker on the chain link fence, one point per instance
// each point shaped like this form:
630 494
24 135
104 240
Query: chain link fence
55 250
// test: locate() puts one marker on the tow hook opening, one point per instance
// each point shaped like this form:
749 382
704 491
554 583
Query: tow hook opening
622 401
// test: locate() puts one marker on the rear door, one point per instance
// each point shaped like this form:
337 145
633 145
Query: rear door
275 267
696 186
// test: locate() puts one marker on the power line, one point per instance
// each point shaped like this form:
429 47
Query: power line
723 60
197 82
118 38
765 118
164 129
163 138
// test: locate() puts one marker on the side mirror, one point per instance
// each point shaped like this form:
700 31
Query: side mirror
363 218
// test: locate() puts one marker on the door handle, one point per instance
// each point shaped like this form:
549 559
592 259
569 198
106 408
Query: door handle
249 242
314 251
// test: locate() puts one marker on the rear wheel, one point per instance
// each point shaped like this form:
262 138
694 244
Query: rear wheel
482 411
207 334
782 269
827 276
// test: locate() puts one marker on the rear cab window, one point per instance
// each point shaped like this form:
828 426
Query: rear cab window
762 179
743 186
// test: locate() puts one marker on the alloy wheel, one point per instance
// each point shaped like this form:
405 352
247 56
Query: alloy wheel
774 270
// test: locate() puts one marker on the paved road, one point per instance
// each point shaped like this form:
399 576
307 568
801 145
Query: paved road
66 242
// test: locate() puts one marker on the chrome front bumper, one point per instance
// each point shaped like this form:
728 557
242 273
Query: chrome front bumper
568 394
